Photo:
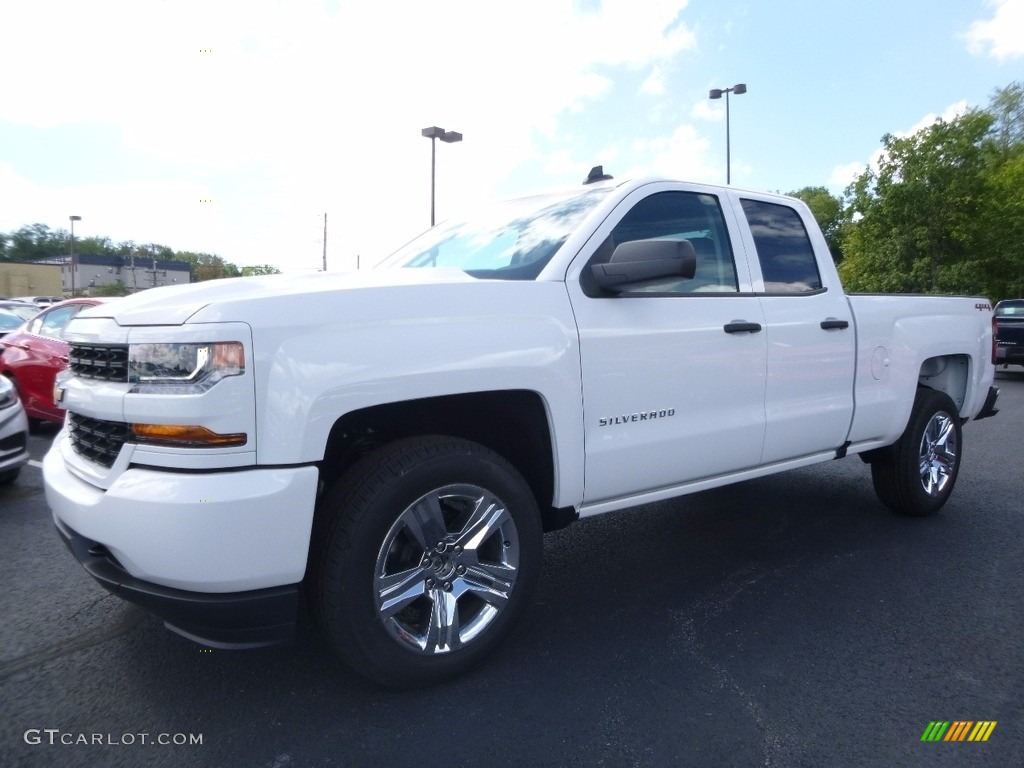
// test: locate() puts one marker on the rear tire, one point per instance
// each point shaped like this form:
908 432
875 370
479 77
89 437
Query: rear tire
424 554
915 476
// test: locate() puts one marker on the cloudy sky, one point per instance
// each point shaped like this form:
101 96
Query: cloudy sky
232 127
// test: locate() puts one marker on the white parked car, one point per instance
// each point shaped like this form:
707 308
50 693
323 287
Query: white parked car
13 433
40 301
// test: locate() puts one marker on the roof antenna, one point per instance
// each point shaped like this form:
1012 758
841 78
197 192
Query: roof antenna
597 174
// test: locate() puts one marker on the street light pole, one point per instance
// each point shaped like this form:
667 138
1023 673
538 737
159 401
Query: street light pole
716 93
449 137
73 220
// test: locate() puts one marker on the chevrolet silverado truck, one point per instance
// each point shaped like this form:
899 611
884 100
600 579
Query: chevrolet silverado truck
390 445
1009 330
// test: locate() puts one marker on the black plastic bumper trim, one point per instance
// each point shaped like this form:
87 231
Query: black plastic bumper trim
252 619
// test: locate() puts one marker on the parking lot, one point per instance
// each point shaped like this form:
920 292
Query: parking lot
787 621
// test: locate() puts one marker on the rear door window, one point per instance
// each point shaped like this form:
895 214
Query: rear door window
783 247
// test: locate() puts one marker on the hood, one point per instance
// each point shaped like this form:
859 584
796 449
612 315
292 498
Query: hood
174 305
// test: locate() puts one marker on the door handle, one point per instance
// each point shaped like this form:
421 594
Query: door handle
741 326
833 324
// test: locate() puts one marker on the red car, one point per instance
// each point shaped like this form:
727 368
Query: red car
33 355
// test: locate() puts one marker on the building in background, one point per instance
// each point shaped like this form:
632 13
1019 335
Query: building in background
134 273
94 275
19 278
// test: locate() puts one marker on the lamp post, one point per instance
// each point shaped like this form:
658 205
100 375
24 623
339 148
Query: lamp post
73 220
449 137
716 93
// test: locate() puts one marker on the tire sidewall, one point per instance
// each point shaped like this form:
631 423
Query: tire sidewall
929 402
361 635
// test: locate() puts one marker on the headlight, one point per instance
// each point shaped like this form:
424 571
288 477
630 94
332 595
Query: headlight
8 394
182 369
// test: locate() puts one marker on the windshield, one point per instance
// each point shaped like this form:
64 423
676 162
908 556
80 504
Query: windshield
1016 309
13 317
507 241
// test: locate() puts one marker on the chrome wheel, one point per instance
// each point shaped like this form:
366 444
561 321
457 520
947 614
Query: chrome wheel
916 474
938 454
446 569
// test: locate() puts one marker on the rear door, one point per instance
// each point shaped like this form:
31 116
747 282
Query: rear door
808 329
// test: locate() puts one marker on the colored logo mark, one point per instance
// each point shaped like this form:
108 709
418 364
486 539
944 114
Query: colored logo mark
958 730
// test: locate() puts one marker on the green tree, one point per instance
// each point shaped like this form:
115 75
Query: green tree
917 217
1007 108
208 266
830 214
261 269
115 289
35 241
1001 248
943 212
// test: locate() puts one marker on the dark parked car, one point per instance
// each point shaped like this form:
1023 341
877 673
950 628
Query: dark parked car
1009 317
33 355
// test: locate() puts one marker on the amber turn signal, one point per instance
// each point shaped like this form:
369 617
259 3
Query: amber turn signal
185 436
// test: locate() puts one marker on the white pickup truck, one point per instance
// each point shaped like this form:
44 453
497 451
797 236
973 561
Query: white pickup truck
393 443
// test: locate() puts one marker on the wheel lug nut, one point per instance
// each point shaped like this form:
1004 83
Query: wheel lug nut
429 583
458 550
447 586
461 570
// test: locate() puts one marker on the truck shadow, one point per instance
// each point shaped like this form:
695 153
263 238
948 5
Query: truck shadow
655 616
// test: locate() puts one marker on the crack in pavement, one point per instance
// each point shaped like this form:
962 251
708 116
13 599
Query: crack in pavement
710 607
131 618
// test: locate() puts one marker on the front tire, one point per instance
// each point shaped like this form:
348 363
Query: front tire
916 475
424 554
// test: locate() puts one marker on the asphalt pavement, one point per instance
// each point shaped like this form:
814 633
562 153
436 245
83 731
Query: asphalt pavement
788 621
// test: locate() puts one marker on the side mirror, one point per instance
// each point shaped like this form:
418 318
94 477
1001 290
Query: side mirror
640 260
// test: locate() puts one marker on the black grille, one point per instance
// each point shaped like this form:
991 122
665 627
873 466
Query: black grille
15 442
95 361
97 440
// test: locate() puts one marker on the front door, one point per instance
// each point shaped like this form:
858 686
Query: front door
673 370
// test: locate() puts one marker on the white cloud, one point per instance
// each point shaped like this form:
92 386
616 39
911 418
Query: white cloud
844 175
654 85
704 110
1002 36
326 107
682 155
950 113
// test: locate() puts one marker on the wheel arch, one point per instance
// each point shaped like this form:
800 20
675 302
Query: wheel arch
513 423
950 374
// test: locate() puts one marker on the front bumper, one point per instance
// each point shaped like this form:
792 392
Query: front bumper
250 619
218 555
13 438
